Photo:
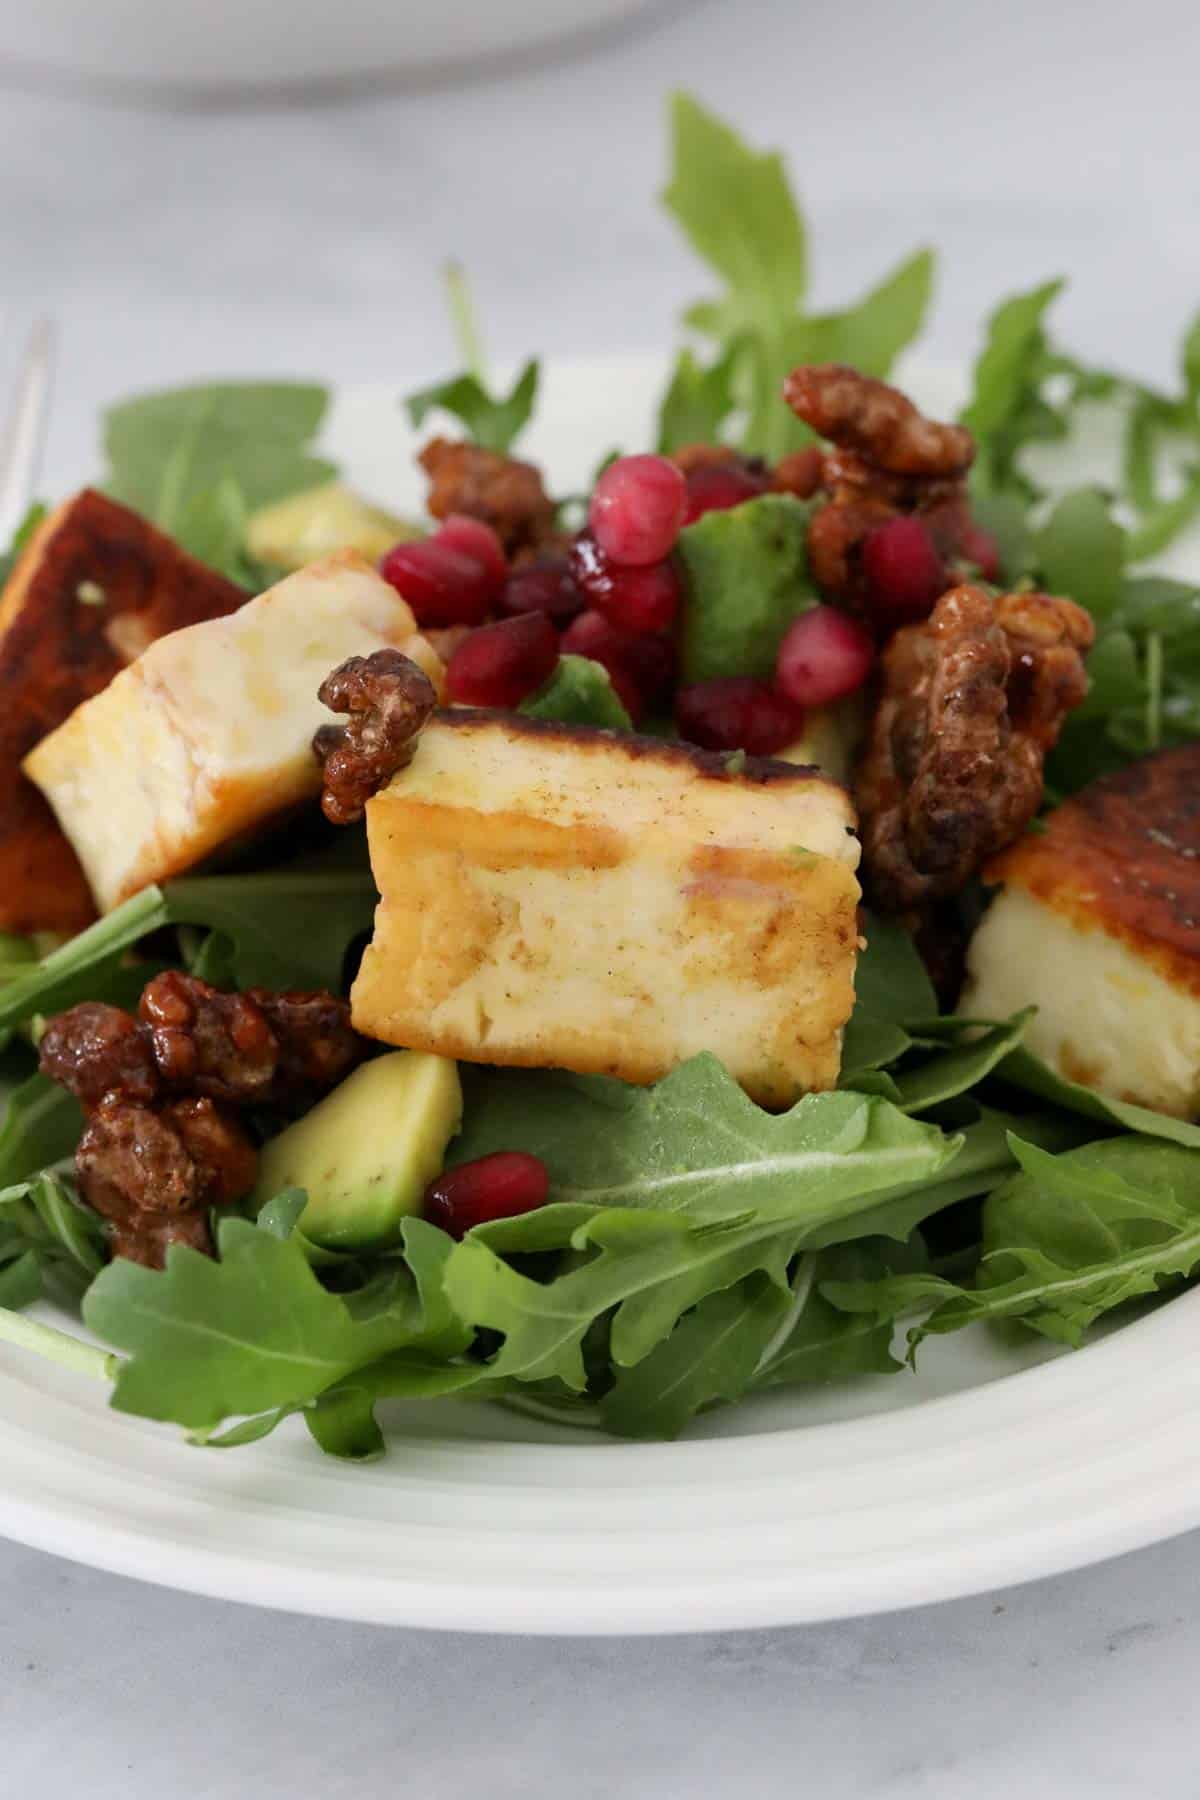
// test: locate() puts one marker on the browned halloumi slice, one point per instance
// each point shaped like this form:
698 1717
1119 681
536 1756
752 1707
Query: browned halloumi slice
1098 924
95 585
558 896
207 738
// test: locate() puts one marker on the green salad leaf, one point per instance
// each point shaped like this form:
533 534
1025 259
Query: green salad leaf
494 421
579 692
1068 1238
198 460
747 575
699 400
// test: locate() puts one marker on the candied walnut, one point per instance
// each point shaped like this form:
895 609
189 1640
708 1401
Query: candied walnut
219 1044
154 1173
389 700
505 493
800 473
318 1046
971 700
93 1049
877 423
887 458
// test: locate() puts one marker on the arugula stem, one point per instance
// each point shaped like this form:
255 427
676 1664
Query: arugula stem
1154 690
463 320
58 1346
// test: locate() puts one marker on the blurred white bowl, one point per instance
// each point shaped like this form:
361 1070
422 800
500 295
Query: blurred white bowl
198 45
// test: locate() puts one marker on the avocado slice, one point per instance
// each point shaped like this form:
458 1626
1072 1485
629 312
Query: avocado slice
303 527
367 1152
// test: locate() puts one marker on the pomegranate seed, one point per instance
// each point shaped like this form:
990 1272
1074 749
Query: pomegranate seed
736 712
979 547
636 600
442 586
500 664
903 570
493 1187
642 668
544 586
825 656
716 487
471 537
637 509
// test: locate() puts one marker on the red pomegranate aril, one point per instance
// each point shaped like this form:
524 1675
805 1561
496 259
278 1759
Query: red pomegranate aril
903 571
637 509
979 547
499 1186
500 664
636 600
442 586
735 712
471 537
716 487
544 585
824 656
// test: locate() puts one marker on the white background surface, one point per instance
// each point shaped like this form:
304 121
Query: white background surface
1022 140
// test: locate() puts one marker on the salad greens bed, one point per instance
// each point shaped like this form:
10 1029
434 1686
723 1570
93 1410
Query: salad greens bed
694 1248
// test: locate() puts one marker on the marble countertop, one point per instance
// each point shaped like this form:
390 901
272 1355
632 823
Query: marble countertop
1023 141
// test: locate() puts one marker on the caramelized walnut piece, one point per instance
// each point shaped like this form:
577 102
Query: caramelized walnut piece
800 473
505 493
217 1044
154 1174
971 700
877 423
887 458
389 700
163 1142
93 1049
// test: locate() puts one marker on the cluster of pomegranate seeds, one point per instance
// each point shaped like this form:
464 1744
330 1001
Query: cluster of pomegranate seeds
544 585
502 664
716 487
452 578
825 656
637 509
736 712
903 570
499 1186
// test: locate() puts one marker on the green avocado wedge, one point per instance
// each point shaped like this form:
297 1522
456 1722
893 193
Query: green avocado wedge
367 1152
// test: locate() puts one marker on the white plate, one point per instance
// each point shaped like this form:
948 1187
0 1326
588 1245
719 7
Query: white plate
990 1466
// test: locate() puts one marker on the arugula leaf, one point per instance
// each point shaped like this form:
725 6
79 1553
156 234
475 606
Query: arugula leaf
1081 551
21 536
699 399
580 692
197 460
59 1245
747 579
871 334
1067 1239
694 1143
202 1346
958 1070
286 927
711 1355
494 421
42 1123
1004 411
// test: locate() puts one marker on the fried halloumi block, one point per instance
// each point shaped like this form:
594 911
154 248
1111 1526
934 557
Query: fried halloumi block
1098 924
559 896
207 737
96 584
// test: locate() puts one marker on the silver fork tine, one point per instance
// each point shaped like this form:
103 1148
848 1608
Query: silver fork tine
25 429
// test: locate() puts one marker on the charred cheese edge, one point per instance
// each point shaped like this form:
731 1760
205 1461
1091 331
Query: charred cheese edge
564 897
207 737
94 586
1097 923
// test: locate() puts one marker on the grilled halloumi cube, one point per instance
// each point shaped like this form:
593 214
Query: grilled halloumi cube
560 896
207 737
1098 924
95 585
